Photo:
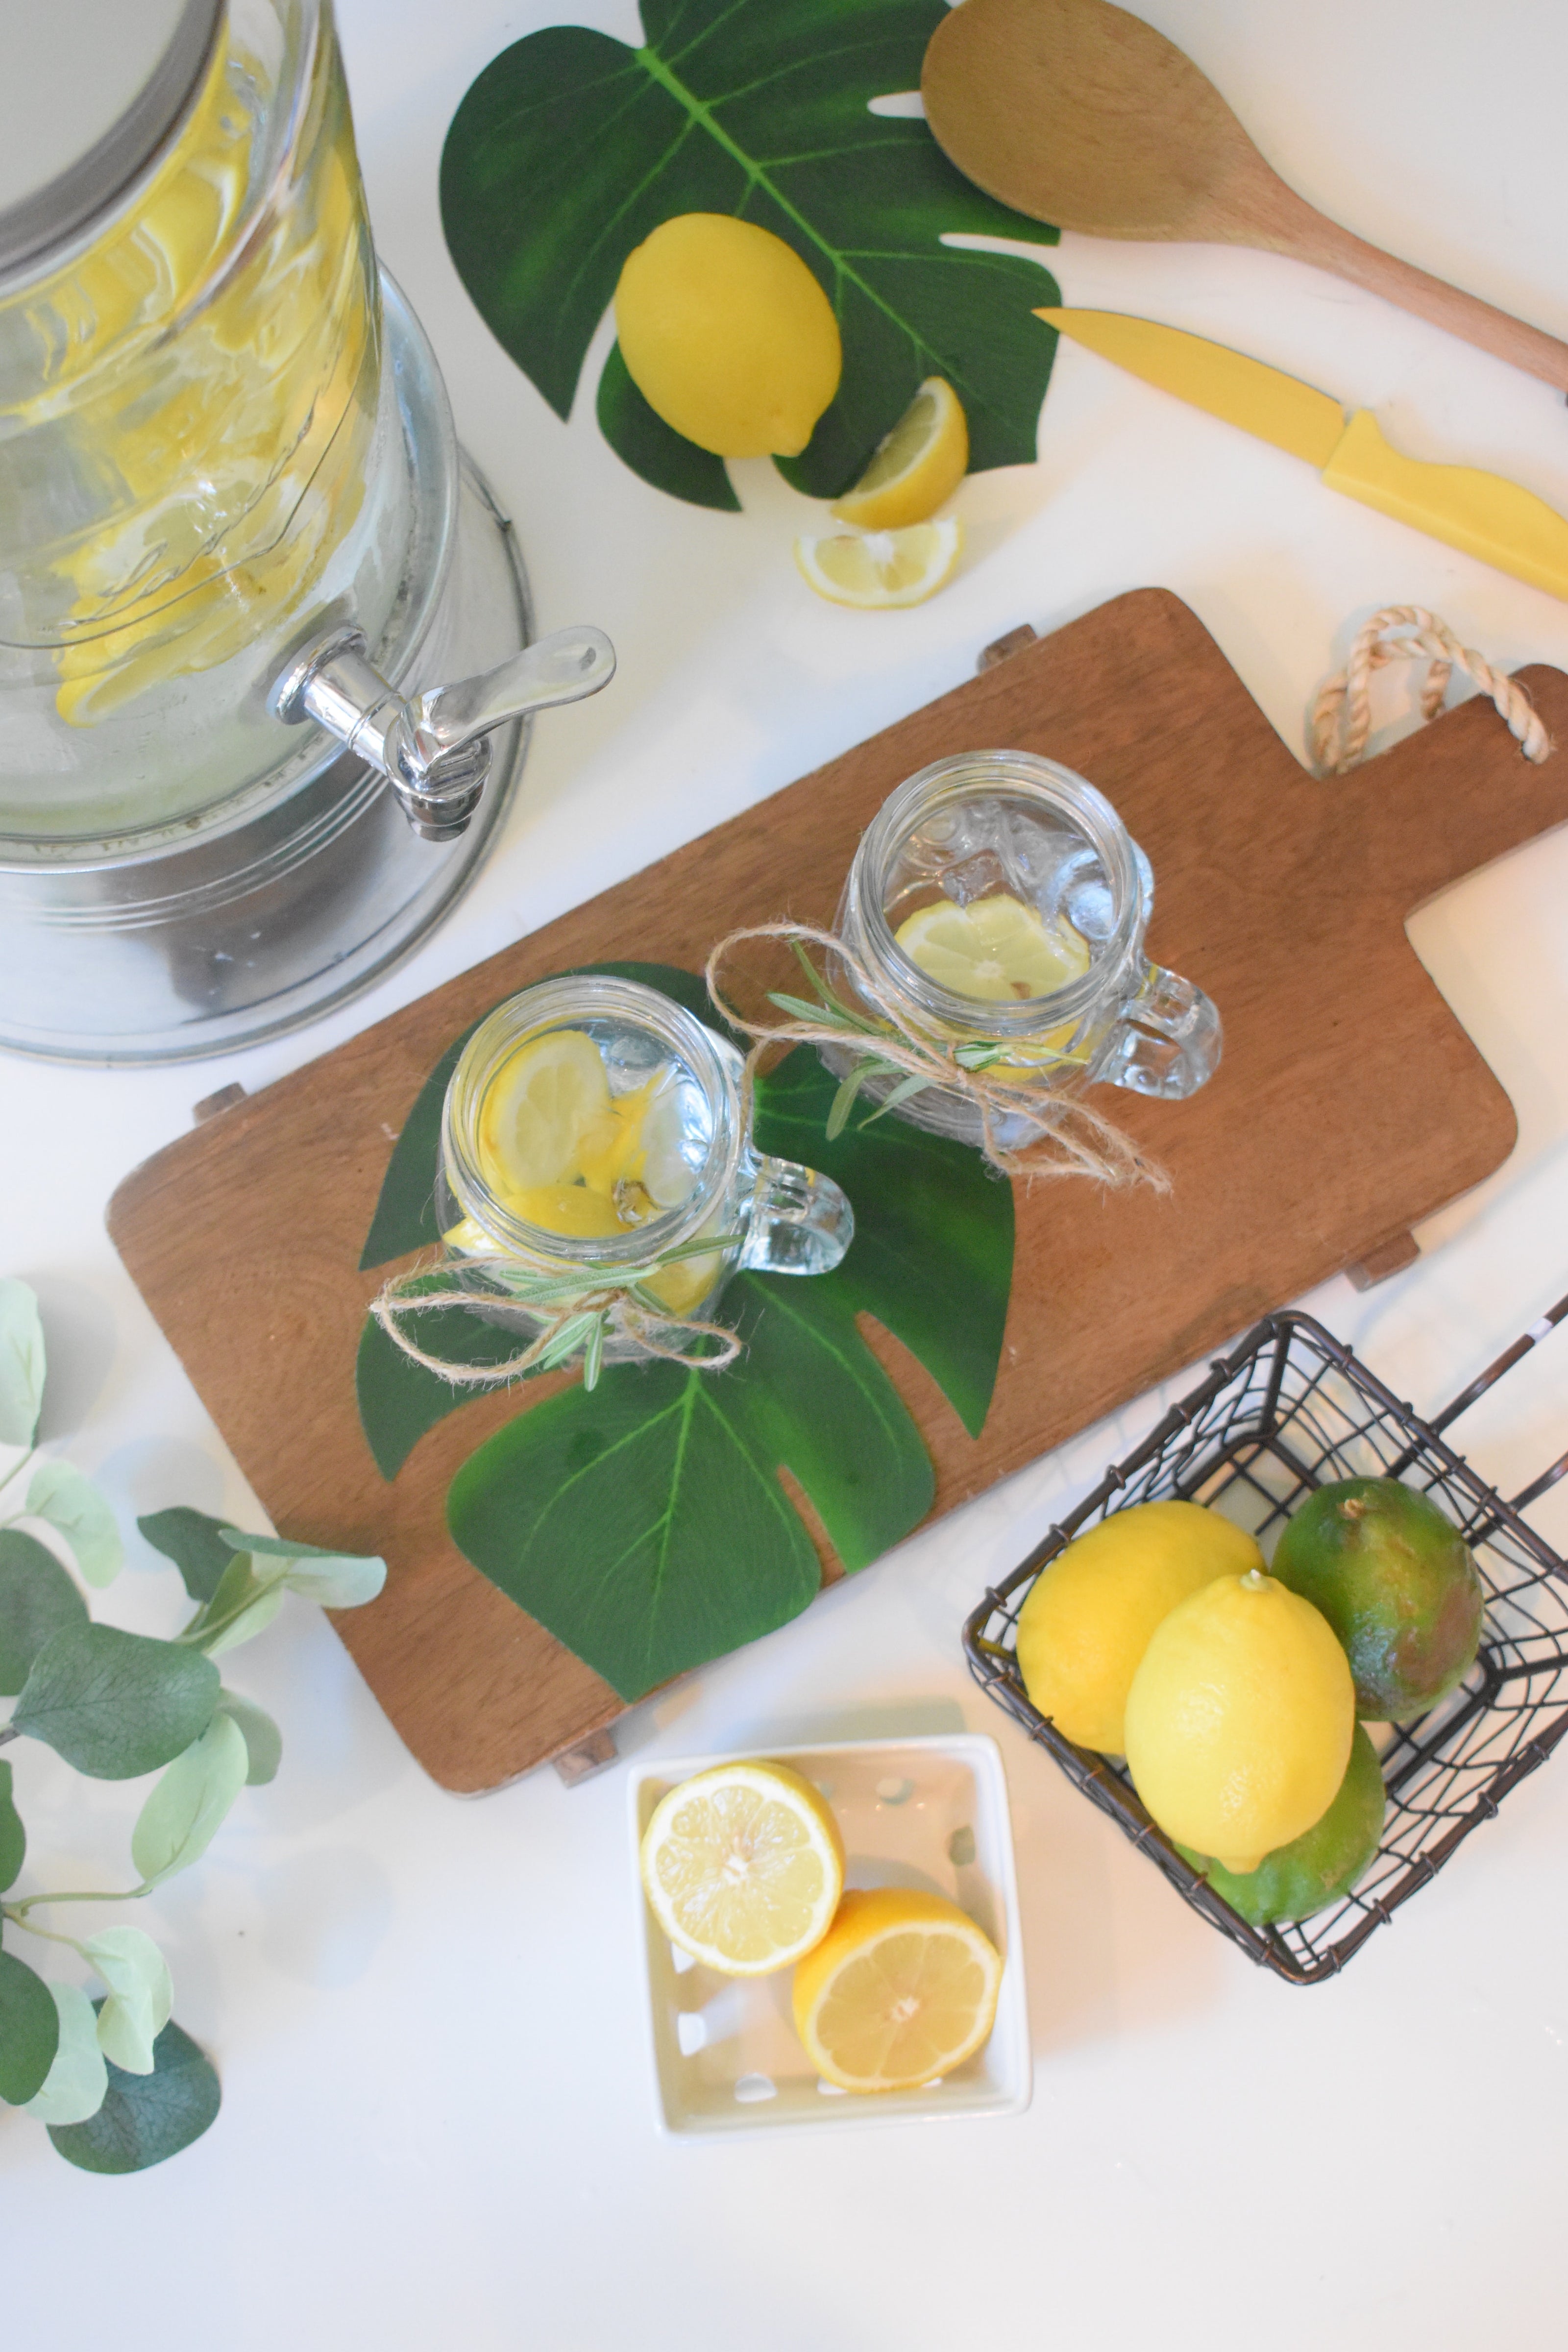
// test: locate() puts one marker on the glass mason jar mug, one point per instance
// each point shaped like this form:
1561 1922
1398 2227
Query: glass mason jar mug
996 901
594 1138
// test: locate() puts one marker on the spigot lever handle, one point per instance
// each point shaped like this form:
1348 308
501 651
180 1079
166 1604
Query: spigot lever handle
433 750
563 667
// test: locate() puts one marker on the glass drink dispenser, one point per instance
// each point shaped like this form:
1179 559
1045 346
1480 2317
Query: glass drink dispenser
241 557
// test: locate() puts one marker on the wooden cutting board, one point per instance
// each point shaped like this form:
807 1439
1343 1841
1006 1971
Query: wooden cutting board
1348 1105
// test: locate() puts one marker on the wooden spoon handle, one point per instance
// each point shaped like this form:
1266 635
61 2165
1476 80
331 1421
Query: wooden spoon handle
1310 236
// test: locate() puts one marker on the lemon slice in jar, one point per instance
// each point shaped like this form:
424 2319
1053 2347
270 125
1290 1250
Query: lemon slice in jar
547 1104
997 950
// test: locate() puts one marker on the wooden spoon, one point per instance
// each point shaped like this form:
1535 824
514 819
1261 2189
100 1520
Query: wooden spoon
1076 113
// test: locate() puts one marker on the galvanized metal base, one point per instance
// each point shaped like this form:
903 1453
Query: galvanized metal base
164 951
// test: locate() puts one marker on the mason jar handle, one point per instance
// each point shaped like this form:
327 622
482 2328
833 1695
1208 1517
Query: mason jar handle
1170 1038
797 1222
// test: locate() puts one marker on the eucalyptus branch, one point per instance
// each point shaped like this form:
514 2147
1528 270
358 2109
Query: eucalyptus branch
30 1455
202 1629
13 1912
117 1706
18 1911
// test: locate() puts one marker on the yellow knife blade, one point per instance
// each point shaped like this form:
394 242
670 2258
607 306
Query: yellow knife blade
1480 513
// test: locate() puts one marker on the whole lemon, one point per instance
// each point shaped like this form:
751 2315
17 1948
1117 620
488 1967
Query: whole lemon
728 336
1324 1862
1239 1720
1084 1628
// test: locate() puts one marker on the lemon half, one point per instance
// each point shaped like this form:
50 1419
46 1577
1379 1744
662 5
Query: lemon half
920 462
744 1866
902 1988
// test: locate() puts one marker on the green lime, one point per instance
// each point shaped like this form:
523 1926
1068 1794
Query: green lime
1395 1580
1315 1869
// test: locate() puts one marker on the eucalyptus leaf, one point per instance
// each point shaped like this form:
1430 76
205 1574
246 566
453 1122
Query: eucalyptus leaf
572 147
29 2030
146 2118
243 1605
195 1542
13 1836
62 1498
115 1705
263 1740
338 1580
191 1800
36 1598
343 1581
76 2084
141 1995
22 1361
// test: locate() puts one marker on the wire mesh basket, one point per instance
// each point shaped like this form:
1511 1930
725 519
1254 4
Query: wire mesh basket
1289 1410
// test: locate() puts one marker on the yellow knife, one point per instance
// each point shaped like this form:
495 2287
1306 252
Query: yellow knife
1480 513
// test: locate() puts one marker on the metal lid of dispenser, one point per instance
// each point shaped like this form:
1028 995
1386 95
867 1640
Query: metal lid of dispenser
91 92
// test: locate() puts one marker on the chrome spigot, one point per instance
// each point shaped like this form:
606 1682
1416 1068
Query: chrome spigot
436 750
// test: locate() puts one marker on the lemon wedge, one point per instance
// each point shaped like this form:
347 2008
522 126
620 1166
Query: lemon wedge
998 950
545 1102
744 1866
920 462
876 570
902 1988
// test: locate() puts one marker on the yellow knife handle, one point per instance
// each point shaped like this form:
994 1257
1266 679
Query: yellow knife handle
1480 513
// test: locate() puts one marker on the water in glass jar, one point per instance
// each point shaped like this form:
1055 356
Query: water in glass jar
998 900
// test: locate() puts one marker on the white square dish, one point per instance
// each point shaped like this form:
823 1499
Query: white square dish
929 1811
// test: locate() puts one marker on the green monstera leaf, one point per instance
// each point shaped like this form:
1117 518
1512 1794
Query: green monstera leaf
645 1523
571 148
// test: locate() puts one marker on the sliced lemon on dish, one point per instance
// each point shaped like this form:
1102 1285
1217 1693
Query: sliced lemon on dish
915 466
901 1988
877 571
546 1103
998 950
744 1866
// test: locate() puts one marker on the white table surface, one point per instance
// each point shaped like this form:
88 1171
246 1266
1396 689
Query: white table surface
437 2126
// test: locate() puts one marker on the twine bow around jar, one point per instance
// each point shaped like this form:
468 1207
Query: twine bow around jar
1069 1138
580 1311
